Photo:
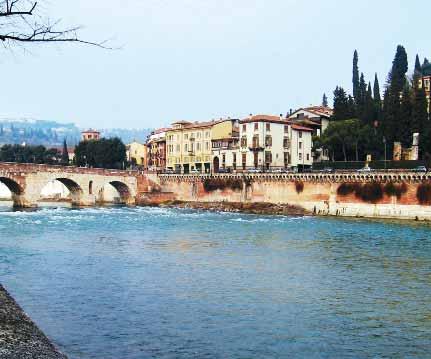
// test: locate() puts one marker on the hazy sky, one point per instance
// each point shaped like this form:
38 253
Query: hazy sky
203 59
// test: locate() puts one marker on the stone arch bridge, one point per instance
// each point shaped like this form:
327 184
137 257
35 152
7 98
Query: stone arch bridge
26 181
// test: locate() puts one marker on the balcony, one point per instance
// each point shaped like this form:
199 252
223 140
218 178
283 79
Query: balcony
256 148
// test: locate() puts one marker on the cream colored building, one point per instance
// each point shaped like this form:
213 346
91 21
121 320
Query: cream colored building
225 145
272 142
188 147
137 153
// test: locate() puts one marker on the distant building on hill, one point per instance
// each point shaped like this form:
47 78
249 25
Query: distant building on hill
90 134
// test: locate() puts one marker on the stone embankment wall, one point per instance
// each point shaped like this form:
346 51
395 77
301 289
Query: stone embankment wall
378 195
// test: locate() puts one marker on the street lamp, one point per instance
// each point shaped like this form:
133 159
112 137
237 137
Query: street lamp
384 142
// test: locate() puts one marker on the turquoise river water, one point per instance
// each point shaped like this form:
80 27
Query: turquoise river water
166 283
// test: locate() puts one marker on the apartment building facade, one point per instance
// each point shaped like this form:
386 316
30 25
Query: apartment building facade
269 142
188 147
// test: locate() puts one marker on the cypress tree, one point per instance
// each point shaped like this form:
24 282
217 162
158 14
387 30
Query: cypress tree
396 83
405 135
377 101
351 110
65 154
324 100
419 111
355 78
368 109
418 67
362 95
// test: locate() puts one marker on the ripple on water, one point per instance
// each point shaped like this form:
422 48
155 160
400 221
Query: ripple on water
119 282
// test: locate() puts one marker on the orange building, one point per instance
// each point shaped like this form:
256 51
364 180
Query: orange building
90 134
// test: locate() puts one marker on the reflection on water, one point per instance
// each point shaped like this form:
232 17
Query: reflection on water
149 282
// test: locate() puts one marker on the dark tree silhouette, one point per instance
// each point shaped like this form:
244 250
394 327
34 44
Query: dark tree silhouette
21 21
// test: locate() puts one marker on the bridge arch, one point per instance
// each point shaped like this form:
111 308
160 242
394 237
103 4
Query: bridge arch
12 185
122 190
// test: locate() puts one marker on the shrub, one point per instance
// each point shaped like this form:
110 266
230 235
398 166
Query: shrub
299 186
214 184
346 188
393 189
370 192
424 193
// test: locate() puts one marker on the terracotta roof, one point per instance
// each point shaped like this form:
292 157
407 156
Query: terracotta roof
301 128
264 118
317 110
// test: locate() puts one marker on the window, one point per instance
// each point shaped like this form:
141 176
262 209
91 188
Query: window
300 145
244 127
234 159
286 129
268 127
207 146
185 148
300 156
300 134
198 146
244 161
178 148
285 142
308 157
268 141
286 159
198 135
256 126
224 160
207 134
268 157
244 141
186 136
255 141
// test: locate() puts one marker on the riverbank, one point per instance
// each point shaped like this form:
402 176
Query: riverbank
237 207
19 336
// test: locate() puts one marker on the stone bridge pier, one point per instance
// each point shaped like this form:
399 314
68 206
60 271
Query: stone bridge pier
86 186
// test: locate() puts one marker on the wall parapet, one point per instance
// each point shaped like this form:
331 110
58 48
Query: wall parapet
381 177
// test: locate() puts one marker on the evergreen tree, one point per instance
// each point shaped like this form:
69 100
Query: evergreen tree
417 72
368 108
377 101
419 119
342 109
324 100
406 108
65 154
355 78
418 67
361 99
392 101
351 108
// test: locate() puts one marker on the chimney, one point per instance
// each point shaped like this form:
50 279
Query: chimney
281 116
290 112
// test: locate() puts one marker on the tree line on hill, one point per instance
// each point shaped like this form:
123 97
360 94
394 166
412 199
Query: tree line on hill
365 123
103 153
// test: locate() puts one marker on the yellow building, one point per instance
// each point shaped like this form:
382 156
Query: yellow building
225 145
188 147
137 153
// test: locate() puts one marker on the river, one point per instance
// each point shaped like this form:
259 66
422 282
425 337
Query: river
164 283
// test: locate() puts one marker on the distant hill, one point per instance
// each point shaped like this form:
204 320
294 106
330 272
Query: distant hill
52 133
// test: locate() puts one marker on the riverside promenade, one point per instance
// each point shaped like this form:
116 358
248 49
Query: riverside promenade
20 338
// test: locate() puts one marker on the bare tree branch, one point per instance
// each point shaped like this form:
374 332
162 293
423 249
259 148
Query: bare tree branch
20 23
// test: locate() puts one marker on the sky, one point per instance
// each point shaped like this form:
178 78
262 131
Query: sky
199 60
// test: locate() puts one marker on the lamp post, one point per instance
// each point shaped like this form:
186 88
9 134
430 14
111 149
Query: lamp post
384 142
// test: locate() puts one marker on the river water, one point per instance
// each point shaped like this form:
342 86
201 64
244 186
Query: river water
165 283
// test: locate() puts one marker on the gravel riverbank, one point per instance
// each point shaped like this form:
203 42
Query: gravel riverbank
20 338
